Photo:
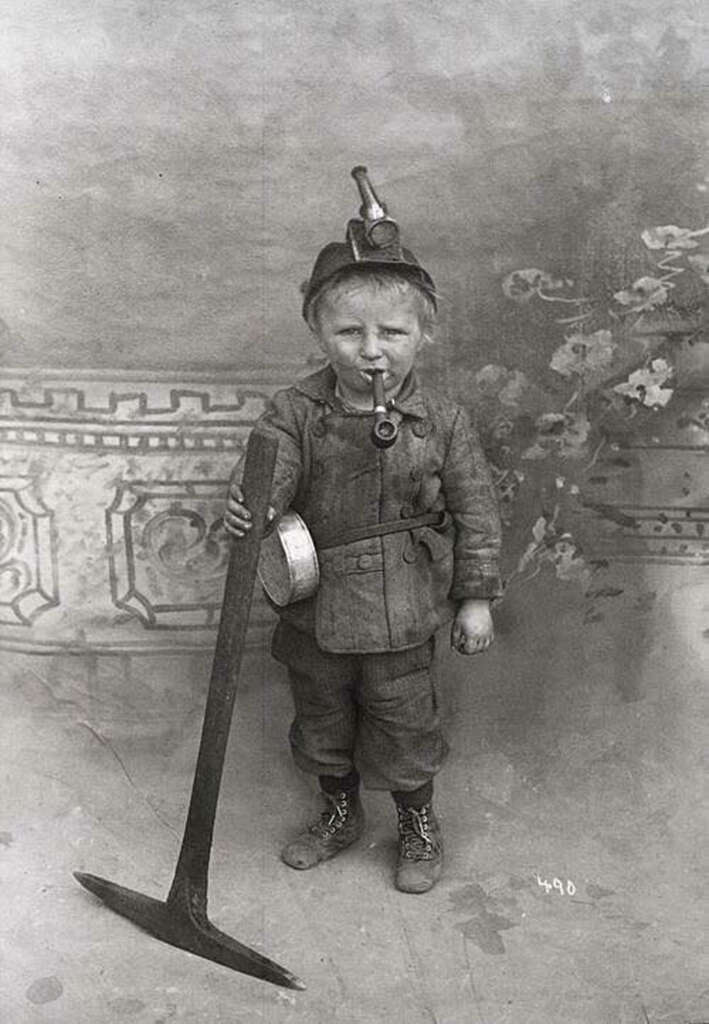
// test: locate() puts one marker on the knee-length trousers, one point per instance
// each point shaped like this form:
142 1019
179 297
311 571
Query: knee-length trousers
374 712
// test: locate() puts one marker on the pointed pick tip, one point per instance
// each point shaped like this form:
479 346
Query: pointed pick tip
88 881
285 978
99 887
94 883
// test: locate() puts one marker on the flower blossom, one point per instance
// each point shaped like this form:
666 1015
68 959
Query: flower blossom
645 293
645 384
563 434
669 237
587 355
522 285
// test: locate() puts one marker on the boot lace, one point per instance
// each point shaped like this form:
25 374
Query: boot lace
333 817
417 842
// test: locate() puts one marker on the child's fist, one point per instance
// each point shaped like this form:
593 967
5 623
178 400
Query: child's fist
472 630
237 518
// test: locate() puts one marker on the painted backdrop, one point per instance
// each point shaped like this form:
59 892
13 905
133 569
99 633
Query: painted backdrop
170 170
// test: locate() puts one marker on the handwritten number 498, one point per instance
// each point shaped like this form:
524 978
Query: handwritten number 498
556 884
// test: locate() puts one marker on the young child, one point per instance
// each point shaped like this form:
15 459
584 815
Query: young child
359 651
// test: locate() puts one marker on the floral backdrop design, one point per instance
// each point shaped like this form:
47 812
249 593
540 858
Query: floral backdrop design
615 364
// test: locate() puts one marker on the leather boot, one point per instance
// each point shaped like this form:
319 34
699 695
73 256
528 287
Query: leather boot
420 849
339 825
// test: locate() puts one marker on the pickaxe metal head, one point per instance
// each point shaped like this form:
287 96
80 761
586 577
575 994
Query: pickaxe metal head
182 921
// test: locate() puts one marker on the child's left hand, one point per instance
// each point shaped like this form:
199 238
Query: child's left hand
472 630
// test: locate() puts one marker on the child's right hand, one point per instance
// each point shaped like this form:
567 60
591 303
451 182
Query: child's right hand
237 518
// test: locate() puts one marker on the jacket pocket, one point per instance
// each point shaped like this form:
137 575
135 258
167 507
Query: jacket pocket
439 545
350 605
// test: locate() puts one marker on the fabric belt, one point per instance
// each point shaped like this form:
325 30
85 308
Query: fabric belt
439 519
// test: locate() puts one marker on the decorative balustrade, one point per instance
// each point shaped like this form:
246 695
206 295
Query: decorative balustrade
112 487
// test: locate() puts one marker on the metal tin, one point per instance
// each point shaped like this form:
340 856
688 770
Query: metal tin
288 564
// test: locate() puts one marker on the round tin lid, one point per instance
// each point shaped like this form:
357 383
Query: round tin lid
288 563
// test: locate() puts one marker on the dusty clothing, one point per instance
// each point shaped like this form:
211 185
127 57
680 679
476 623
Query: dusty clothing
375 711
385 593
359 652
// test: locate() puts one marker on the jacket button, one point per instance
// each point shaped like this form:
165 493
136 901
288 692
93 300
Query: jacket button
415 475
319 429
410 553
420 428
364 562
407 511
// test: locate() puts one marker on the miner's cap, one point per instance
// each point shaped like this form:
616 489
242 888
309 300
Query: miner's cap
338 256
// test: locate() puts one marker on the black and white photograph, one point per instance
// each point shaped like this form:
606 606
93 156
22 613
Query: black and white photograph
354 511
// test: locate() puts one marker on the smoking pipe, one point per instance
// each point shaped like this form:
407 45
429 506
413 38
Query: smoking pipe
385 430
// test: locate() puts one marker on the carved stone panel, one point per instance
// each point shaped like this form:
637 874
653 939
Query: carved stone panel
112 487
28 569
168 551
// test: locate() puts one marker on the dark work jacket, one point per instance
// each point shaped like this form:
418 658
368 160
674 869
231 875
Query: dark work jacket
392 592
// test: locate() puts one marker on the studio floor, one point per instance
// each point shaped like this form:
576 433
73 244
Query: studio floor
576 762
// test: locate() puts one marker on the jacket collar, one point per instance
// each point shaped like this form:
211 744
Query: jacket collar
320 386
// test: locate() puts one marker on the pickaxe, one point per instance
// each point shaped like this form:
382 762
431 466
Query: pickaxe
182 919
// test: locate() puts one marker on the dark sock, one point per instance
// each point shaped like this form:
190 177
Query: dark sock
334 784
416 798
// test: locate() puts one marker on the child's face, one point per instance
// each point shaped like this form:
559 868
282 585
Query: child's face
364 329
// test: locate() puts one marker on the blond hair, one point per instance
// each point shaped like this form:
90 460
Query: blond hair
384 279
